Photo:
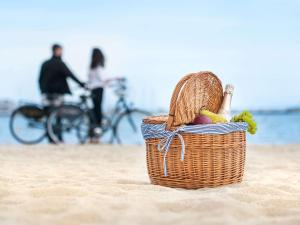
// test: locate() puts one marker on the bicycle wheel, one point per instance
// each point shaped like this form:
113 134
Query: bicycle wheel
68 124
107 135
28 124
127 127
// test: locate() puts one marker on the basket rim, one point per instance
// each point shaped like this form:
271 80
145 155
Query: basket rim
159 130
158 119
162 119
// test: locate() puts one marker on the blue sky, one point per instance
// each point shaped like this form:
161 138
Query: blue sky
253 44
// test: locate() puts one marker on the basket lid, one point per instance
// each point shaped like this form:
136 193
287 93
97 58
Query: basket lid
192 93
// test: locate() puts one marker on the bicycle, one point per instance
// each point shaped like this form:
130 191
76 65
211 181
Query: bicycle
28 123
75 121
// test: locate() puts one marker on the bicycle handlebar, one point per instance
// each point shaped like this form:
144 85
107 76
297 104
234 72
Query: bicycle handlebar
118 84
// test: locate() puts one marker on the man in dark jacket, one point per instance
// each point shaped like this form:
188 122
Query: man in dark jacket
54 74
53 83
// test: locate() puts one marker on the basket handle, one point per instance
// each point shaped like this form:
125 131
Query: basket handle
177 91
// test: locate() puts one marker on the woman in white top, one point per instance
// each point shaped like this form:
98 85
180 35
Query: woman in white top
97 82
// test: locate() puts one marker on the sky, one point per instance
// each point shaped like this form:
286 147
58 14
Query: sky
254 45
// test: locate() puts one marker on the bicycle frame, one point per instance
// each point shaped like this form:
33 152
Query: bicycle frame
120 107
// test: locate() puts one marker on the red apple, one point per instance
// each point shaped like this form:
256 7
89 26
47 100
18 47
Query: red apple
201 119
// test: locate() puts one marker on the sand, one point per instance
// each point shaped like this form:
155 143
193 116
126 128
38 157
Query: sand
66 185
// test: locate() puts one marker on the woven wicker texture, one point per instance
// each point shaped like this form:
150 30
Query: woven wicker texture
192 93
210 160
155 119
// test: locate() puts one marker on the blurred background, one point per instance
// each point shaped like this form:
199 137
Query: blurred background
255 45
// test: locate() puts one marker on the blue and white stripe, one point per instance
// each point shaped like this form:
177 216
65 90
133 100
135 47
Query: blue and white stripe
159 131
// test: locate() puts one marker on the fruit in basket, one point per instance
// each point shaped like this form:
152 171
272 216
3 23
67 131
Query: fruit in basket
201 119
215 118
247 117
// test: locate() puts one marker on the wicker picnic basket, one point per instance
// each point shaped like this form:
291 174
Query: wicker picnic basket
210 160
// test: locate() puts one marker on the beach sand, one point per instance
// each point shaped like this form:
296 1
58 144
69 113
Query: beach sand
66 185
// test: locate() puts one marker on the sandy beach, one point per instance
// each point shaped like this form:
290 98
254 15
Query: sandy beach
66 185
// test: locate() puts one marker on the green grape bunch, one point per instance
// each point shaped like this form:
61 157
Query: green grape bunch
247 117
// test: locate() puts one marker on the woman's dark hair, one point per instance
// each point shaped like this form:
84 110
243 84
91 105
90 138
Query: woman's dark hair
97 58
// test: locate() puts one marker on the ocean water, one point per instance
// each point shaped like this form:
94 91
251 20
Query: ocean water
272 129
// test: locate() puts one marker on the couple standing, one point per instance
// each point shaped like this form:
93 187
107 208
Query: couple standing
53 80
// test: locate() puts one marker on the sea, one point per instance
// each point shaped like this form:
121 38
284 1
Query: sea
277 129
